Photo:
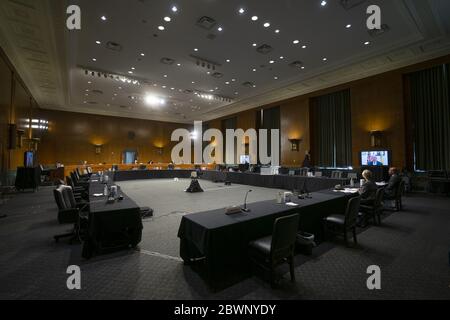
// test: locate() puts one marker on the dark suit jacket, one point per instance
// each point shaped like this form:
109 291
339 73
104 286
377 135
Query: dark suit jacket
394 181
368 191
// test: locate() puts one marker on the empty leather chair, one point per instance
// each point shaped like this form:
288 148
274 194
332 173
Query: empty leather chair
397 197
342 224
273 250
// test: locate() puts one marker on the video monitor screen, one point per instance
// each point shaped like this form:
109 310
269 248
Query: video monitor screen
375 158
244 159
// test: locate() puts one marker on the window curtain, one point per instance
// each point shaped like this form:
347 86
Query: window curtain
333 129
430 108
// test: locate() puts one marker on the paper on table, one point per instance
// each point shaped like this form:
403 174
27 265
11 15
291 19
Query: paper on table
98 194
291 204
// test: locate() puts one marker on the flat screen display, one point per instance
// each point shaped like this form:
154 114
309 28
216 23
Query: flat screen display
244 159
29 159
375 158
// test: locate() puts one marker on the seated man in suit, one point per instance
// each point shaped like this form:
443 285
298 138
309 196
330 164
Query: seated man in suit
368 189
394 181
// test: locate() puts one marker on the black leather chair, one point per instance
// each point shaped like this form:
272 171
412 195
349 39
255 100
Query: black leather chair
342 224
273 250
303 172
69 212
336 174
79 182
373 211
398 196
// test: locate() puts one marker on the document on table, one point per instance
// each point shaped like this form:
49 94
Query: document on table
98 194
348 190
291 204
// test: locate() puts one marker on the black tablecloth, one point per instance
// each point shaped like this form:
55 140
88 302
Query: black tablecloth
223 239
124 175
111 225
28 178
285 182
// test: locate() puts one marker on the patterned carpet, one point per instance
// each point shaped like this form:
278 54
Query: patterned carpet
411 248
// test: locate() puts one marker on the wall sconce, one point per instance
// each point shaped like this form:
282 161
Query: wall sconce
376 138
98 148
295 144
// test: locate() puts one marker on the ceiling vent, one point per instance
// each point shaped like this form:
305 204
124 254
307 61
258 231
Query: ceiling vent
296 64
378 32
206 23
114 46
264 49
217 75
96 91
249 84
349 4
167 61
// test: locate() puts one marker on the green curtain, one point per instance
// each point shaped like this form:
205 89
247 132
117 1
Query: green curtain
333 129
430 107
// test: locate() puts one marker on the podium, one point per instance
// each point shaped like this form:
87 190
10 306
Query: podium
28 178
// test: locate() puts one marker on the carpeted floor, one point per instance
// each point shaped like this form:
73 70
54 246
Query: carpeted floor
411 247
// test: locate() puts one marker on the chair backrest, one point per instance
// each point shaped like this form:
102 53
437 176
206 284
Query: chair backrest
400 189
336 174
194 175
89 170
304 172
351 212
57 193
68 197
79 172
377 203
284 236
74 176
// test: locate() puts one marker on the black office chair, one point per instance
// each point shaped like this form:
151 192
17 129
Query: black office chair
304 172
69 212
271 251
374 210
79 182
398 196
342 224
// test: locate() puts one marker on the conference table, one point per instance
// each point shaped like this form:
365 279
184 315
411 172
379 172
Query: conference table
124 175
221 241
110 225
285 182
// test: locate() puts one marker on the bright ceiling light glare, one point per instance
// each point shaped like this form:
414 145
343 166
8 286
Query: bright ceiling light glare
254 70
103 18
98 42
277 31
241 10
152 100
366 43
303 47
296 41
254 18
167 19
195 49
323 3
266 25
174 9
161 28
271 61
324 59
220 29
254 44
93 59
275 78
130 72
165 76
281 58
348 26
228 60
179 64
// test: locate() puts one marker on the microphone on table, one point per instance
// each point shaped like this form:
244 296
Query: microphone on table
245 209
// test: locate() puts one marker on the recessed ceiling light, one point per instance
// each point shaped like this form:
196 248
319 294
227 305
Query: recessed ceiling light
163 87
174 9
254 44
142 54
296 41
219 29
366 43
103 18
120 88
276 78
271 61
227 83
193 82
266 25
254 18
133 68
98 42
228 60
236 93
167 19
324 59
130 72
89 82
241 11
165 76
281 57
172 88
208 72
303 47
277 31
94 59
323 3
302 67
179 64
195 49
348 26
161 28
233 80
254 70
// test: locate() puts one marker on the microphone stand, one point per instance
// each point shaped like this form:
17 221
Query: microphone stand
245 209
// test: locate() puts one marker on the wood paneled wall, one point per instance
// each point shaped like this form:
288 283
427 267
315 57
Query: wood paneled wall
72 137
